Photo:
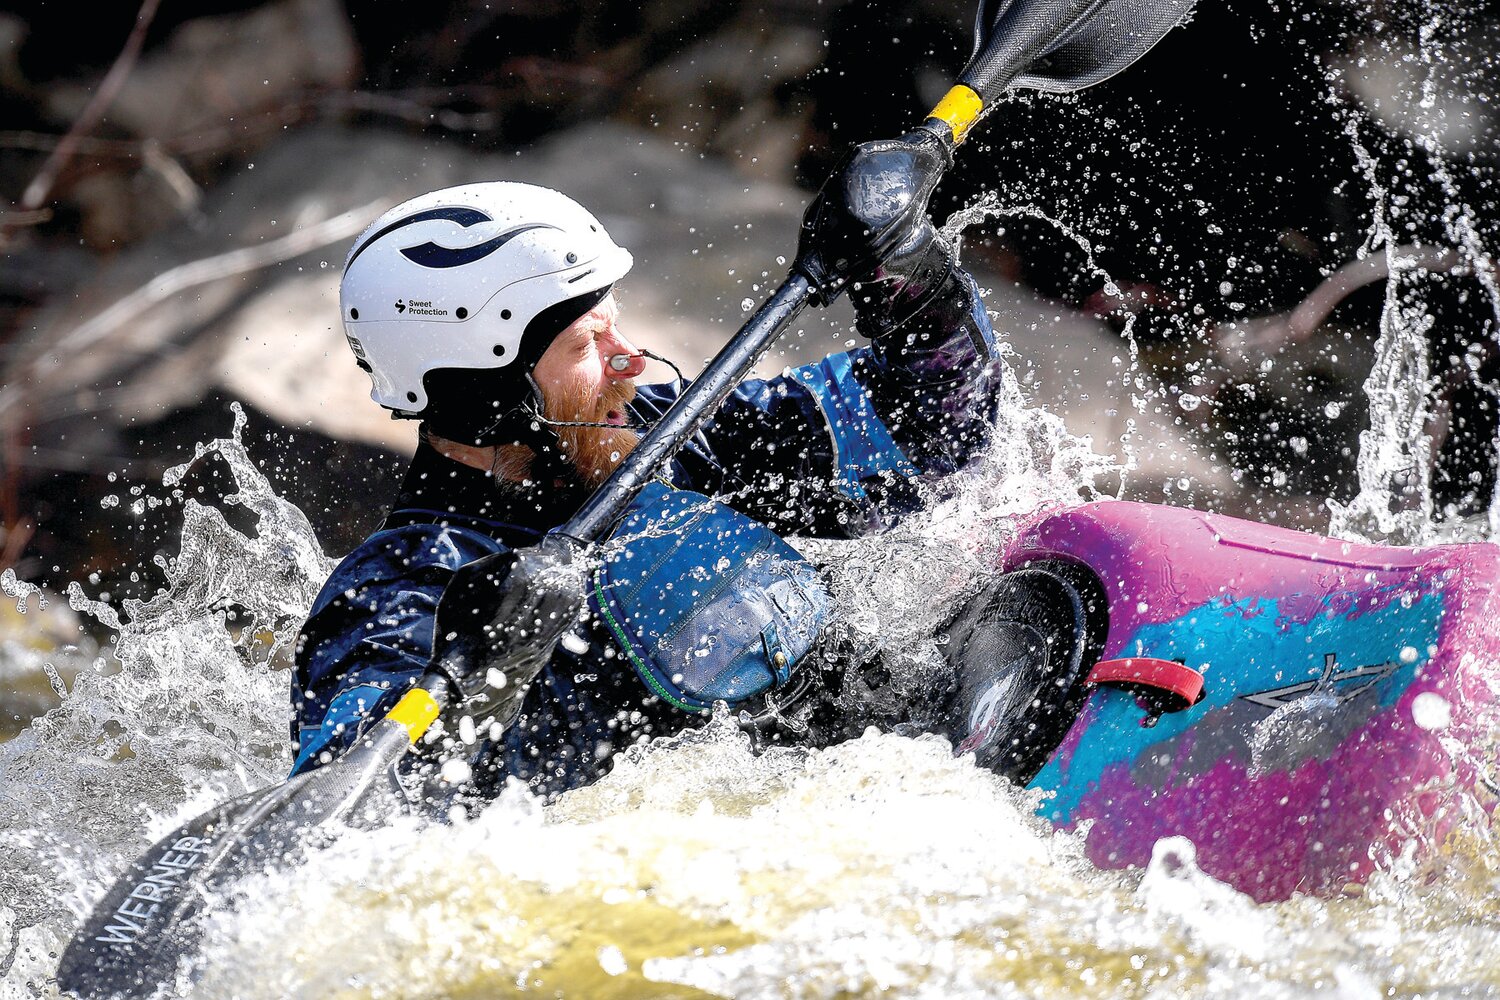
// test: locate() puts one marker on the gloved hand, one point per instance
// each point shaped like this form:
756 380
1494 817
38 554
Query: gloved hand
498 621
873 205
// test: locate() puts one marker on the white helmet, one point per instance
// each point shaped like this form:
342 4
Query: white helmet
451 279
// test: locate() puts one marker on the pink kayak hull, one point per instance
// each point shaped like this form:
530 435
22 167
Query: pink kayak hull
1343 683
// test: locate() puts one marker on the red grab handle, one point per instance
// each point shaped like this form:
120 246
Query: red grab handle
1170 685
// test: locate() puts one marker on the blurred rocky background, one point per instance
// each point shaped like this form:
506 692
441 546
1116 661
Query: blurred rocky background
1177 269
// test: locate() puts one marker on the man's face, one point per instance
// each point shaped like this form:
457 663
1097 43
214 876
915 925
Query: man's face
578 383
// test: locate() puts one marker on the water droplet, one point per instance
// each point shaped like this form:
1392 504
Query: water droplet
1431 711
55 680
456 772
1188 401
612 960
747 304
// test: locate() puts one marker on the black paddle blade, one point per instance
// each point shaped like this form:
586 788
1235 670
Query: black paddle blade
133 942
1063 45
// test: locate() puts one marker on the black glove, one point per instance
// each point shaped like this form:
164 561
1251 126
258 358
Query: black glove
873 205
498 621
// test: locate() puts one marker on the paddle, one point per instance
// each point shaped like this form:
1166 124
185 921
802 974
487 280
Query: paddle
147 926
1052 45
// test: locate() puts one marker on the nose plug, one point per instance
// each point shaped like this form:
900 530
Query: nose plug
620 362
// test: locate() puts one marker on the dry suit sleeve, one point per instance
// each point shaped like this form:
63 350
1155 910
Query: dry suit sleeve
920 400
369 636
829 448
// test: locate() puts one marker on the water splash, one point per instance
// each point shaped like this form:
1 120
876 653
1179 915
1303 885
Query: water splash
1397 453
894 591
699 862
697 867
1133 379
991 205
189 707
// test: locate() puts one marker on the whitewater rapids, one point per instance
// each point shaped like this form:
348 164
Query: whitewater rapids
883 866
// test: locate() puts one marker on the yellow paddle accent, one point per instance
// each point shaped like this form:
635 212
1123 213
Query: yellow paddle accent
416 710
960 109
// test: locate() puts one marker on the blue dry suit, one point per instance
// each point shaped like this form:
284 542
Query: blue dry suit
820 451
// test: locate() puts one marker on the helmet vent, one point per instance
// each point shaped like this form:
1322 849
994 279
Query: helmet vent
505 314
411 397
461 312
499 350
354 314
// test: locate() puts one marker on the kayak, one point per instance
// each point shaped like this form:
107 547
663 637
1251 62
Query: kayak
1301 708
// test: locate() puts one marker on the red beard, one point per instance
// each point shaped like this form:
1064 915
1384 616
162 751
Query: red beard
594 452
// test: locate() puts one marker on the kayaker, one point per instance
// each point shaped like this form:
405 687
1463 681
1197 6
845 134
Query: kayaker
488 313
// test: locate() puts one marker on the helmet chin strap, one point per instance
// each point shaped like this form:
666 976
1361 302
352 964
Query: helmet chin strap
550 461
